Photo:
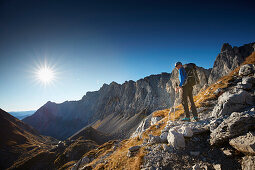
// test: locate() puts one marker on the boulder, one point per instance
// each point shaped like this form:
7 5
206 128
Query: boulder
245 143
217 166
248 162
246 69
230 102
185 131
154 120
236 124
175 139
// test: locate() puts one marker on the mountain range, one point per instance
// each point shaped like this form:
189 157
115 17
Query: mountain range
92 128
22 114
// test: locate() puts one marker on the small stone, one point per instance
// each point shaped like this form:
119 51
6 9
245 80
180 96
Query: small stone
217 166
227 152
129 154
166 147
134 148
196 167
154 120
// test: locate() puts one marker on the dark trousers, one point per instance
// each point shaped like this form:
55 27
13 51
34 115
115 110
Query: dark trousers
186 92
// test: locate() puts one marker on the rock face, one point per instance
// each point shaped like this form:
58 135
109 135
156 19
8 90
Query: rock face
228 59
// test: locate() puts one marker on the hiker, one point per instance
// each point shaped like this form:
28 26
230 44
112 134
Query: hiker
188 78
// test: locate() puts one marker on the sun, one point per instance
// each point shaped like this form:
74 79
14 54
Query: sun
45 74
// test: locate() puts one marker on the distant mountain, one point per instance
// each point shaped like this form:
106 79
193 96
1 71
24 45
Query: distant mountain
19 141
22 114
116 109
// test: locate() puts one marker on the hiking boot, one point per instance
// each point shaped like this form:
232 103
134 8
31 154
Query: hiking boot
195 118
186 119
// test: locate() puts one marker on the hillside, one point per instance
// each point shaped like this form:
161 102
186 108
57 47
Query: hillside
222 139
19 141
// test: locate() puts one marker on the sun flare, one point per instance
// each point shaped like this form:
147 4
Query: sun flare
45 74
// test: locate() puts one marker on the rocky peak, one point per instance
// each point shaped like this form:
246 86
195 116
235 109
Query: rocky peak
226 47
228 59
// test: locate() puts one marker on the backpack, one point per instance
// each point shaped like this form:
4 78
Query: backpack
191 72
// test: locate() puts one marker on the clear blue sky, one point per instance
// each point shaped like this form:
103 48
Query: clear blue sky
95 42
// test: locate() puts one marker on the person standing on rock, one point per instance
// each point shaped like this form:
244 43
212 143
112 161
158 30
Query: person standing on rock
187 81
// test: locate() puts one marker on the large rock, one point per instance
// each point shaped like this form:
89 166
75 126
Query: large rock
228 59
175 139
246 69
236 124
248 163
186 131
245 143
229 102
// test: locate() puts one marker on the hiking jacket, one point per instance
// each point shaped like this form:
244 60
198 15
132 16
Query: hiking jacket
182 76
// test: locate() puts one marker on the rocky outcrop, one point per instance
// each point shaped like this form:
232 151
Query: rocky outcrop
228 59
231 101
246 69
236 124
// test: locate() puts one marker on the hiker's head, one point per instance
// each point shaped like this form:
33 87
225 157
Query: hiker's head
178 65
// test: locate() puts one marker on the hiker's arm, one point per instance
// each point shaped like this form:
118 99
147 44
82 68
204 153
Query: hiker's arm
181 76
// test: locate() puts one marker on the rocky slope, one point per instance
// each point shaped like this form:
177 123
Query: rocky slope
223 138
